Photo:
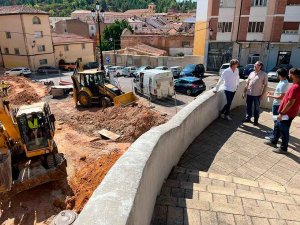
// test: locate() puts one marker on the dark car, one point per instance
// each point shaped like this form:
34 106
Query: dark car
248 69
48 69
90 65
193 70
189 85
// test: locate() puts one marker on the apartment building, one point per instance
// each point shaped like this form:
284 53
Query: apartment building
251 30
25 37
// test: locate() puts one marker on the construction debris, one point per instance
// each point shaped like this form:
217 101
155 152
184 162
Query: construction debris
108 134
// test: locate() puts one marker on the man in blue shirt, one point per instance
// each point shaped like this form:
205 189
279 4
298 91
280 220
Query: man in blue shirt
279 93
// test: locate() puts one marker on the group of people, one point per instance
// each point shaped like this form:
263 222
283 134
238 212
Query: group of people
286 99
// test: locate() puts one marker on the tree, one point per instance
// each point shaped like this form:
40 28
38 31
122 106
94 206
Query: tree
112 34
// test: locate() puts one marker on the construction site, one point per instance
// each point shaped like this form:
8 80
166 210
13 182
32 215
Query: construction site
88 155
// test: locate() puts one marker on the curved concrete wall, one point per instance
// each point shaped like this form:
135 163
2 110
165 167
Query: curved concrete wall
127 194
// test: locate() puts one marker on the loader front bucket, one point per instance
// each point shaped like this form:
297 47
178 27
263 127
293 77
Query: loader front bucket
37 171
125 99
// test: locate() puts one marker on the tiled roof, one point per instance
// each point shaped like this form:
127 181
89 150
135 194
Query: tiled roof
149 49
68 39
19 9
137 11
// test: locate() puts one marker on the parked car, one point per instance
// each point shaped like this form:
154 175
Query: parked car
141 69
193 70
47 69
19 71
176 70
161 68
272 75
67 66
91 65
247 70
190 85
128 71
111 70
226 65
119 70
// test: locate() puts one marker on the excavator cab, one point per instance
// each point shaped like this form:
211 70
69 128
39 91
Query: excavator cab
37 128
28 153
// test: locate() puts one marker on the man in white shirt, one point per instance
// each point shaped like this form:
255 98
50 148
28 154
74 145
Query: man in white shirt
231 79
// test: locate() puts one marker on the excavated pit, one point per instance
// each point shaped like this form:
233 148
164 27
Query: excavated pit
88 156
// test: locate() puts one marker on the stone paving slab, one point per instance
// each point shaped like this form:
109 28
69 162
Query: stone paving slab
237 149
228 176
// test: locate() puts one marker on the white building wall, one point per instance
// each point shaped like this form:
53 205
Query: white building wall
224 36
226 15
258 14
292 13
255 36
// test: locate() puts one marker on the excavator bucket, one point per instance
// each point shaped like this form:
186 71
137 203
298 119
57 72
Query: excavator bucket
5 173
125 99
36 171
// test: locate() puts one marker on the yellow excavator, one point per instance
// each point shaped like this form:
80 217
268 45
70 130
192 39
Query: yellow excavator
92 87
28 153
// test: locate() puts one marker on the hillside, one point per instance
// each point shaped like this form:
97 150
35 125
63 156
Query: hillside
65 7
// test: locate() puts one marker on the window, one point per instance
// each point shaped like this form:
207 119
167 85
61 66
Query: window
41 48
17 51
292 32
8 35
83 46
66 48
258 2
186 44
253 58
256 27
224 27
43 61
6 50
36 20
92 28
38 34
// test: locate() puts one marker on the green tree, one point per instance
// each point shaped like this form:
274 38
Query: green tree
112 35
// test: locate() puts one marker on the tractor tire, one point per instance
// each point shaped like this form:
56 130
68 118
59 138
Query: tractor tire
84 99
105 102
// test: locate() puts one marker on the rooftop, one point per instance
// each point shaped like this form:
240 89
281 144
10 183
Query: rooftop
149 49
20 9
68 39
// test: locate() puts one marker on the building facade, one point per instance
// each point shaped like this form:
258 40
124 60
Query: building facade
25 37
73 26
251 30
54 20
70 47
173 44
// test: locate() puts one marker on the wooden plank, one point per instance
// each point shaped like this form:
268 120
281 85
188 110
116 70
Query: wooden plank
109 134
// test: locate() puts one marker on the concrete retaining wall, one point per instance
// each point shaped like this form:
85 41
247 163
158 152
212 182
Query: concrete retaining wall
127 194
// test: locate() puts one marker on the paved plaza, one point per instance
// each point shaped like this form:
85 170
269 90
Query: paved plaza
229 176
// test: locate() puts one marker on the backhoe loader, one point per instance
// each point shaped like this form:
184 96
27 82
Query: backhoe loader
28 153
92 87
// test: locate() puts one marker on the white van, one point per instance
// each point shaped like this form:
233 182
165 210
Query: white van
156 83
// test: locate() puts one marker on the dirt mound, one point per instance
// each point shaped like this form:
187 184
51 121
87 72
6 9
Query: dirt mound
25 97
24 91
129 122
88 178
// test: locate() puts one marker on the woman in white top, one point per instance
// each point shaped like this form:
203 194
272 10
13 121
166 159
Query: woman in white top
231 79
